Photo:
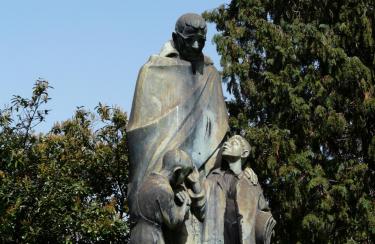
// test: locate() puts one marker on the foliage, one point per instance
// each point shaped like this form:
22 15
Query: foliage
302 77
67 185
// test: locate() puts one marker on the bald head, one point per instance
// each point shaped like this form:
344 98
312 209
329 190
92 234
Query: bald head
190 36
189 24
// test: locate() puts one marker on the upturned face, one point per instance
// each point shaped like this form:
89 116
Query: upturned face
232 150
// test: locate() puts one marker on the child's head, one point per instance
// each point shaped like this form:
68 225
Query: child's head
236 148
179 164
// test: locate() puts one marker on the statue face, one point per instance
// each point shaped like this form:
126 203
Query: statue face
232 150
181 175
190 43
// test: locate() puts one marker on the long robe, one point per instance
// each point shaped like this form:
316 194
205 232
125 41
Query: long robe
174 108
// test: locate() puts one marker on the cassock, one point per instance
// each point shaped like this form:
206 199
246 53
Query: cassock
174 108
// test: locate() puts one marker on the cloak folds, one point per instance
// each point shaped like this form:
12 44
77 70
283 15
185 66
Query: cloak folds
174 108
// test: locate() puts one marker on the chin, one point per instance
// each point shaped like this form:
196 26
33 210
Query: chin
230 157
193 55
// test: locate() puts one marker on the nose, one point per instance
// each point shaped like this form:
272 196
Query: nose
195 44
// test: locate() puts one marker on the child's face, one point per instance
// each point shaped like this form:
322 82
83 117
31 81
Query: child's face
232 149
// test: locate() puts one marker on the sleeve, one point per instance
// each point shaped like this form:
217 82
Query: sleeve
172 215
199 204
265 222
262 202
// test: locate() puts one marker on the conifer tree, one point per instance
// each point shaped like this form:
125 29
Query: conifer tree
302 78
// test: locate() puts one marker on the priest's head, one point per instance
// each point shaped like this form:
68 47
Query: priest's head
190 36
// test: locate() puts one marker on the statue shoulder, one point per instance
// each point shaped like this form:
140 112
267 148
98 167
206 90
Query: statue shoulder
157 60
156 184
251 176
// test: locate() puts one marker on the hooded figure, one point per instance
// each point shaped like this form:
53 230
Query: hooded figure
156 203
178 103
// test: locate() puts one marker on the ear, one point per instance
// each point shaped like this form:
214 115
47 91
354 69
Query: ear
174 37
176 171
245 154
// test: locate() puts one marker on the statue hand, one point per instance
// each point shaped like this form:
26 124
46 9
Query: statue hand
250 174
183 197
193 177
193 181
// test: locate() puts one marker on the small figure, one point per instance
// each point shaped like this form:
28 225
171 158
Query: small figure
157 210
236 210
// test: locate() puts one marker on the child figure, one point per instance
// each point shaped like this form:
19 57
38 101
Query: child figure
236 210
157 209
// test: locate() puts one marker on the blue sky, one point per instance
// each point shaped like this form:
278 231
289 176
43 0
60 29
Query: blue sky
89 50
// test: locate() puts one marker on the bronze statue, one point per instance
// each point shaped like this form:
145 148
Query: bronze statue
178 103
156 200
237 211
179 118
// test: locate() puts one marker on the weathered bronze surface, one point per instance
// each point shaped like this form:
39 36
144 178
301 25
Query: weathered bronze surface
179 116
173 107
237 211
156 206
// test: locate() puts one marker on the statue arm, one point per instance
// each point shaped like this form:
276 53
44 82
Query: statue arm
262 202
172 215
265 222
199 204
197 194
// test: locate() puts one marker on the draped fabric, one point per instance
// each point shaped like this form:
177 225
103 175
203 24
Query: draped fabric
174 108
